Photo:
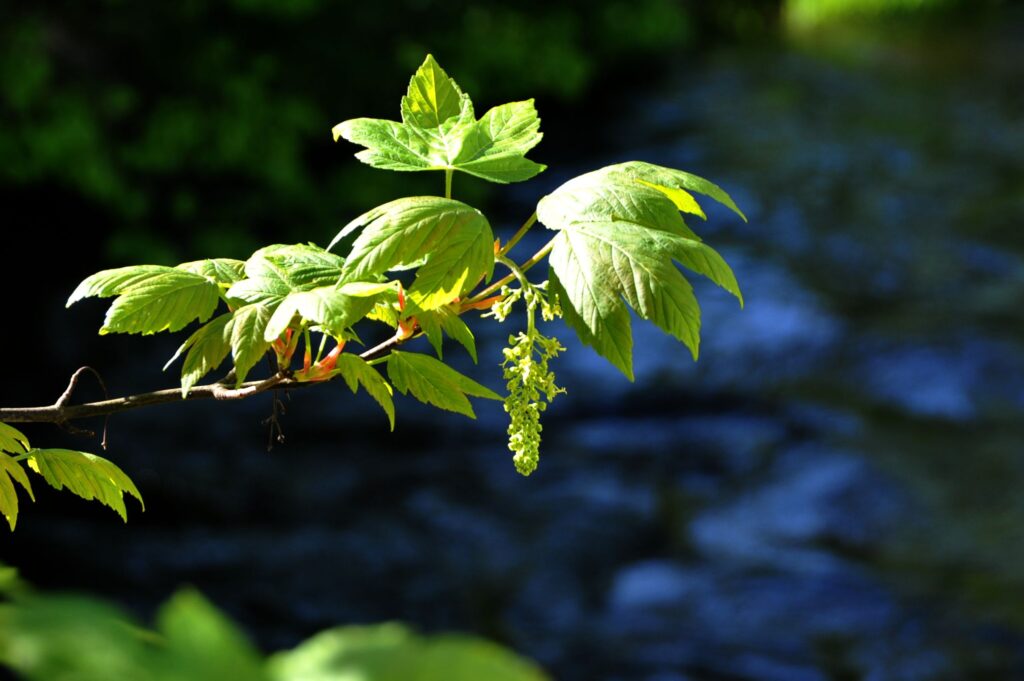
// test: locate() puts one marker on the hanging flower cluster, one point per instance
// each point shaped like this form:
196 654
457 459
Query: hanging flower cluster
531 384
529 378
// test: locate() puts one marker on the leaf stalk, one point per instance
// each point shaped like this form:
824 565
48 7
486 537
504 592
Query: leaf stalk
496 286
519 235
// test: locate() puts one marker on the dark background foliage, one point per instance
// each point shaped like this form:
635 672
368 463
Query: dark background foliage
831 493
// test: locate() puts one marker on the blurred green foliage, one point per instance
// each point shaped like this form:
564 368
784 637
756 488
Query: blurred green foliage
204 127
175 130
74 638
801 14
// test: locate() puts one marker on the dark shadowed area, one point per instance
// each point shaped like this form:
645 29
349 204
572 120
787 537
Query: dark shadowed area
832 492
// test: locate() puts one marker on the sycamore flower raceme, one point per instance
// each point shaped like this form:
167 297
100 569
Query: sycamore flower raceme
531 386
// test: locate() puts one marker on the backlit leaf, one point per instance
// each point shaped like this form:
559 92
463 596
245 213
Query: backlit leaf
167 301
12 440
671 178
455 239
621 232
325 306
276 271
391 145
433 97
444 320
439 131
87 475
245 334
206 350
224 271
434 382
357 372
112 282
10 472
495 148
682 199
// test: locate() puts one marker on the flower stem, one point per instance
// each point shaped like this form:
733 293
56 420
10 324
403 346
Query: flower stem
496 286
518 235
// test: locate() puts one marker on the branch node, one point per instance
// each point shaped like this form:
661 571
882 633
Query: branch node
65 397
73 383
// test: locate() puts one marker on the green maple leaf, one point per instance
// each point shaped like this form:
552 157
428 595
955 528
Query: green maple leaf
223 271
620 234
325 306
206 348
11 471
12 440
151 298
451 242
245 334
274 272
434 382
87 475
357 372
439 131
444 320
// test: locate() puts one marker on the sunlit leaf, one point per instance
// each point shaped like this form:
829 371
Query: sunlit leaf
366 289
682 199
455 239
390 145
168 301
12 440
495 148
112 282
357 372
433 97
11 471
445 321
673 179
205 350
430 324
621 233
87 475
434 382
439 131
276 271
245 334
223 271
326 307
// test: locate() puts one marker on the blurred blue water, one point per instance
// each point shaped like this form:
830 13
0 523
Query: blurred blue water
832 492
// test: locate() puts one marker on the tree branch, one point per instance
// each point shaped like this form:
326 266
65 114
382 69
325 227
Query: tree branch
61 412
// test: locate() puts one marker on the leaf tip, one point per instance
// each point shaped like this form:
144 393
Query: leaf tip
341 130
